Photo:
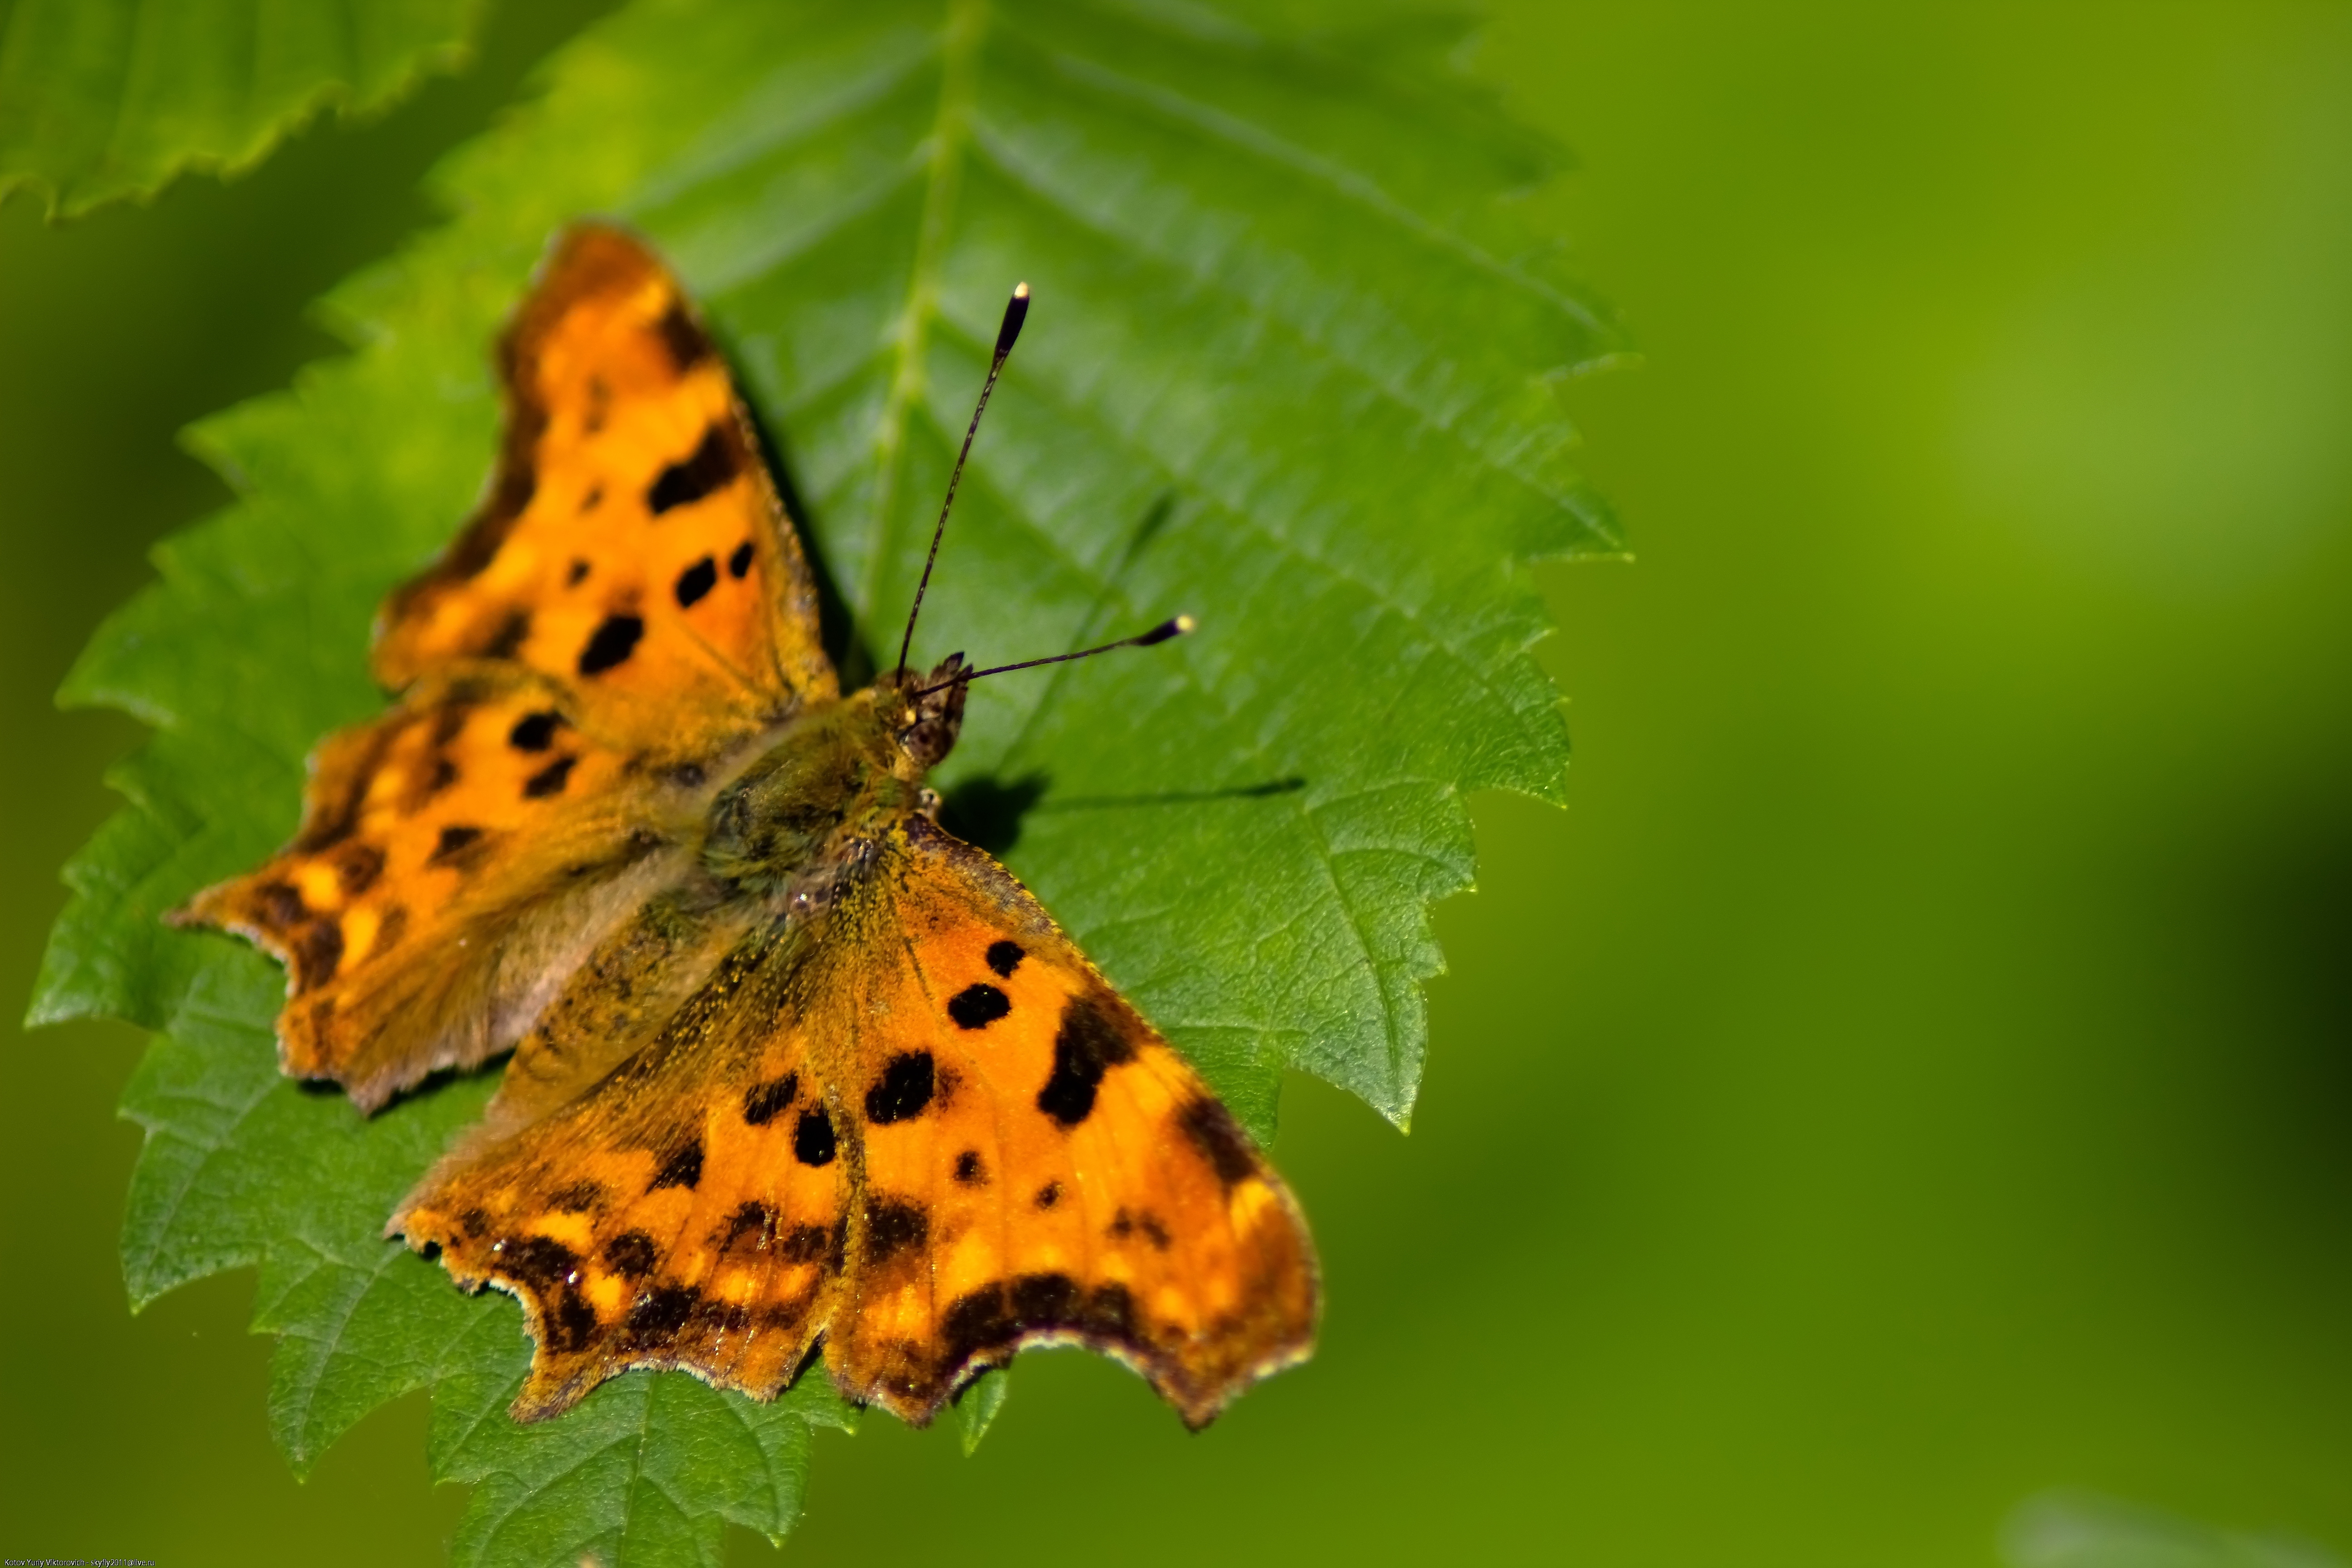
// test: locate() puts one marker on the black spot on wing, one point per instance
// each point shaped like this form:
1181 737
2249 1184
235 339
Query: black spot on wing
976 1323
754 1222
510 636
541 1262
825 1244
548 780
357 866
903 1090
281 905
1110 1313
764 1101
711 467
1124 1225
695 581
686 342
682 1167
1212 1130
571 1324
1049 1195
534 732
813 1138
1044 1300
630 1254
1085 1017
318 950
518 481
989 1321
739 563
578 573
1087 1045
550 1270
977 1006
455 841
611 644
660 1313
892 1226
1004 957
580 1198
969 1171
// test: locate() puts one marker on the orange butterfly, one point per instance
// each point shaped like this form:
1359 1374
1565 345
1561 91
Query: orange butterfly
793 1066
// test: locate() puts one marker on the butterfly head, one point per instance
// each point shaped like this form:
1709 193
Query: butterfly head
927 711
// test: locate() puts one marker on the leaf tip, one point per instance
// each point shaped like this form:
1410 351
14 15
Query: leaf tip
977 1405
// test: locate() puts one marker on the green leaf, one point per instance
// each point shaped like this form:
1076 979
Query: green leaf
977 1407
106 98
649 1469
1292 367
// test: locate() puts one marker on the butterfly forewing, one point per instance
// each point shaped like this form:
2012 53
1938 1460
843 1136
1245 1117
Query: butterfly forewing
632 543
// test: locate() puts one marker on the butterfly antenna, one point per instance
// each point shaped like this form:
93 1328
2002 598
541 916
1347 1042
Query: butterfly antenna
1016 310
1173 627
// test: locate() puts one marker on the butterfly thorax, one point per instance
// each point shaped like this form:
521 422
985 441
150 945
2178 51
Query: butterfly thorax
803 814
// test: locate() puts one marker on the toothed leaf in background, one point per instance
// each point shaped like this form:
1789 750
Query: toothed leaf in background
101 100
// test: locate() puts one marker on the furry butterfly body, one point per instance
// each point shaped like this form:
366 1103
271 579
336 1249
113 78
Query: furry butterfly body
794 1070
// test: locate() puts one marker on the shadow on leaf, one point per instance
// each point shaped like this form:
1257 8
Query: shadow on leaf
987 811
1290 785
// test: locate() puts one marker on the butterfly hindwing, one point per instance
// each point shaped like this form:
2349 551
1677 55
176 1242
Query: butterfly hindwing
1039 1164
687 1209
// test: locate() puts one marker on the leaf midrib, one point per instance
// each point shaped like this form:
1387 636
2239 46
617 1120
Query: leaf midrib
960 46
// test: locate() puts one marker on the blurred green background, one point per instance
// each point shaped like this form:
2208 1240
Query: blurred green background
1913 1074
